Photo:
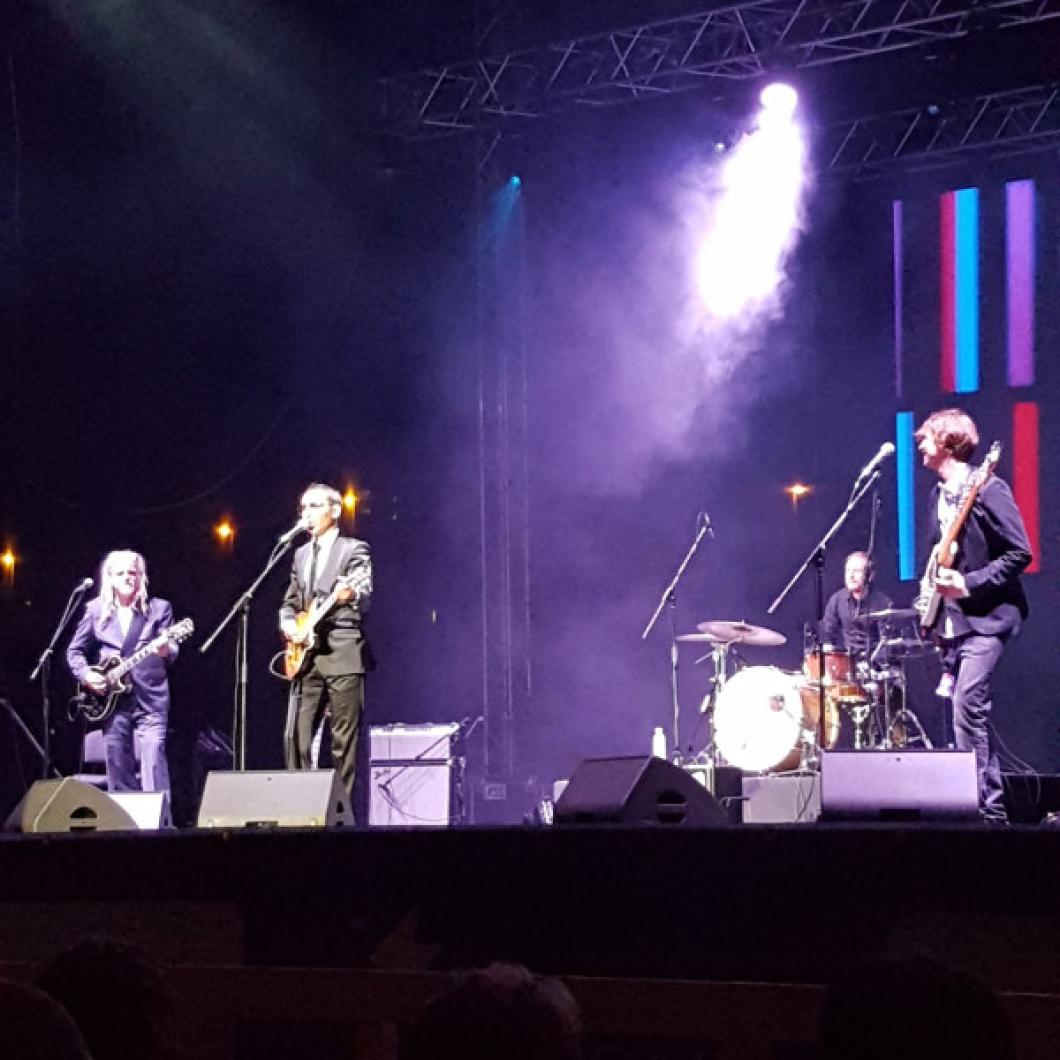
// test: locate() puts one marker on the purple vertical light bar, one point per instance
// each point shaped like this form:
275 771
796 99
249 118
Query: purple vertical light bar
1020 280
896 220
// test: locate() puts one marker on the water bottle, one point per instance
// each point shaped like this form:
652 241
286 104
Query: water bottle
658 742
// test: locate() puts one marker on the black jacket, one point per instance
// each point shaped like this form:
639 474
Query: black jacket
993 549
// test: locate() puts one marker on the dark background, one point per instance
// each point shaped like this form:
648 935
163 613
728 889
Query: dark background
219 282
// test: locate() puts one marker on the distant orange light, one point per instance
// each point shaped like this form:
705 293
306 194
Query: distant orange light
224 531
796 491
349 501
8 562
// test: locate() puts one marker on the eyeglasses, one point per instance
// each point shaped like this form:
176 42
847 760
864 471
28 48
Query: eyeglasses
312 504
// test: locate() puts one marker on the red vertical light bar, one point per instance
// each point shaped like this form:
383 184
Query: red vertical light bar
947 293
1025 472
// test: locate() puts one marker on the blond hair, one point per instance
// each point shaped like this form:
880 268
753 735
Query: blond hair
108 594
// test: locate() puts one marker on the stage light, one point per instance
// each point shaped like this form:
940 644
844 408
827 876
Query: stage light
225 532
797 491
779 98
515 180
8 562
349 501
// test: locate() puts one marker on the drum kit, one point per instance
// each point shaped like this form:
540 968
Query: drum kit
765 719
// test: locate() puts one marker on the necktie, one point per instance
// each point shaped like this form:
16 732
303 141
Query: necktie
311 584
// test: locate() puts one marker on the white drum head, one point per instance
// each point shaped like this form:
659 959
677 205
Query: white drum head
758 718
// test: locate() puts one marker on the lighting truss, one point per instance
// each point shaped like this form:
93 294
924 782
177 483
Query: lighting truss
737 41
1003 123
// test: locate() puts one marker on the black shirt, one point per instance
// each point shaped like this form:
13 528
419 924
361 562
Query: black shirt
840 627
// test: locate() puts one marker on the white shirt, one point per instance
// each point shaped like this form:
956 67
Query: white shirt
125 615
323 543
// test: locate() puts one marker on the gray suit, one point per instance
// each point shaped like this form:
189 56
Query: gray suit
145 710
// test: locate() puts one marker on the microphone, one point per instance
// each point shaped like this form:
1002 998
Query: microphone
707 524
303 525
885 451
85 585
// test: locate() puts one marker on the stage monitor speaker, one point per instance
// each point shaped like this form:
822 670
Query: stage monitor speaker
309 798
638 790
148 809
68 805
898 785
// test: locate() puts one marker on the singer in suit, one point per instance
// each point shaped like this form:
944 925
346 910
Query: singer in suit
341 656
122 619
983 600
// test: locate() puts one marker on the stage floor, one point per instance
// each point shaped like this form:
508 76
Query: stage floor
753 903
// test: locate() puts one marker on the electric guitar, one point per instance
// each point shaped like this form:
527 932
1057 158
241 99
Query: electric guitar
95 707
929 602
298 654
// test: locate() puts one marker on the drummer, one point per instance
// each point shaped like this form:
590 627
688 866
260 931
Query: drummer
842 626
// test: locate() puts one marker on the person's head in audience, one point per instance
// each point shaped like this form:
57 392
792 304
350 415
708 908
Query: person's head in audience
503 1012
119 997
34 1026
908 1007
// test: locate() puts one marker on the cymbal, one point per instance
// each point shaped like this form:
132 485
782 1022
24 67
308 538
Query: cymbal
888 613
699 638
743 633
907 647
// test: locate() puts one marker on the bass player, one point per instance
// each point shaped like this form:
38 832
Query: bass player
983 603
336 571
117 622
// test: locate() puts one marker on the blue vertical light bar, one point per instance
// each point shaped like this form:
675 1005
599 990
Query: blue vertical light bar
967 290
905 464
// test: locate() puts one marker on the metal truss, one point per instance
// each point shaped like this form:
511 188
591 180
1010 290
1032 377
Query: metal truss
733 42
1004 123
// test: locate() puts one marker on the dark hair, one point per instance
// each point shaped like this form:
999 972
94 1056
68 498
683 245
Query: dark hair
118 995
953 430
500 1011
34 1026
913 1007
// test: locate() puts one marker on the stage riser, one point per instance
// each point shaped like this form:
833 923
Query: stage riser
784 904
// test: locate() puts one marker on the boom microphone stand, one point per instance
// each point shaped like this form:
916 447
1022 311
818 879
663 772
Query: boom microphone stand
816 557
242 608
703 527
43 669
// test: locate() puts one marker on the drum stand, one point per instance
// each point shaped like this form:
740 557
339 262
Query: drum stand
719 660
903 720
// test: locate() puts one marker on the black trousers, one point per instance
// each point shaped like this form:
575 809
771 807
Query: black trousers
974 659
343 695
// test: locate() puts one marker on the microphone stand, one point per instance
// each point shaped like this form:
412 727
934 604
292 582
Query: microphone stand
24 729
668 599
242 608
43 669
817 557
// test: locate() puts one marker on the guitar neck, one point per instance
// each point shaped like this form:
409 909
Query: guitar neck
137 657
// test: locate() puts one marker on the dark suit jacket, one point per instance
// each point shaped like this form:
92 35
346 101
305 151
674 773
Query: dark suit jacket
341 647
93 641
992 551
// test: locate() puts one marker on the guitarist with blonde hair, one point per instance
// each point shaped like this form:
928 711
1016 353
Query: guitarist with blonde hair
971 597
122 619
322 621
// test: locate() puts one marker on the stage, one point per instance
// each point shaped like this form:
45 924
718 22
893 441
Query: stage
750 903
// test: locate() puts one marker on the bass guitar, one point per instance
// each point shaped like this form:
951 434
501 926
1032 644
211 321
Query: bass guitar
96 707
298 653
929 602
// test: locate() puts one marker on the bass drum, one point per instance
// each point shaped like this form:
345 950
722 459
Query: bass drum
761 716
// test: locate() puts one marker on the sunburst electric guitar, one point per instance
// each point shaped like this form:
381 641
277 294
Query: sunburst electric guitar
929 602
298 654
96 707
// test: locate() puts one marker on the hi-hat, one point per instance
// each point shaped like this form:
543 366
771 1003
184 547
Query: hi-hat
743 633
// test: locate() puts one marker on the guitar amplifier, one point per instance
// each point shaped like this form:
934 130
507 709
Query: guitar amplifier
416 775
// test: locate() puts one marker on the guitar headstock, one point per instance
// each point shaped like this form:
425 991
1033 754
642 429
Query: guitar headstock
990 461
180 631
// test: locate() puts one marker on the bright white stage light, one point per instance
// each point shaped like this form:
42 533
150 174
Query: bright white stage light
779 98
